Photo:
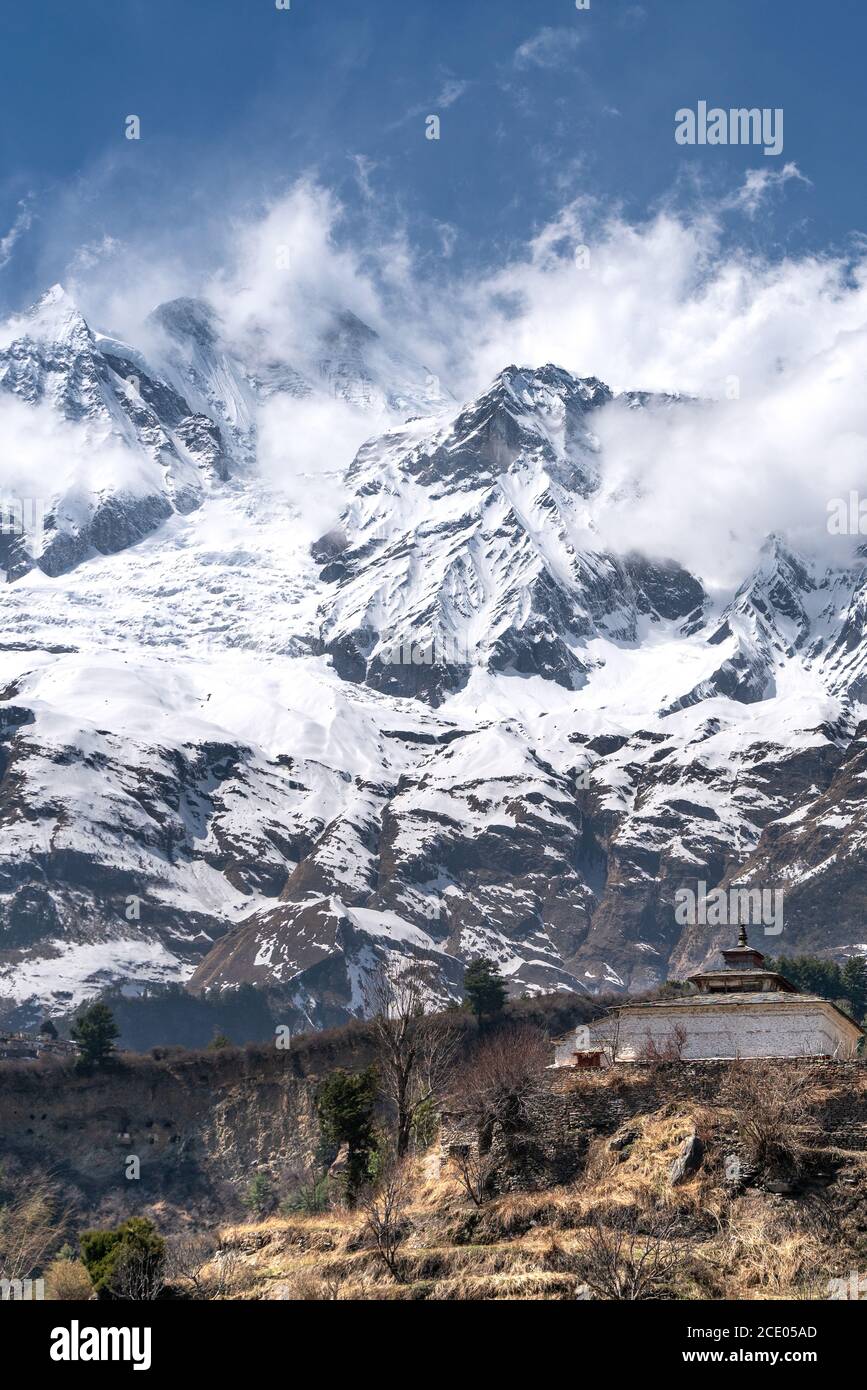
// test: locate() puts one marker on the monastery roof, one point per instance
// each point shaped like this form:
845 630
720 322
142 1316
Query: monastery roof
742 981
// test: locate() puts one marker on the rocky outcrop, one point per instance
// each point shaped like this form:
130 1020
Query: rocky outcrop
200 1123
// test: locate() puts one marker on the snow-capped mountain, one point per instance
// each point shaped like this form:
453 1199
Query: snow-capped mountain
142 441
129 448
455 723
472 545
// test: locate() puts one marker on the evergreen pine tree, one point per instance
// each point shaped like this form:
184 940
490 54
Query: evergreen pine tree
484 989
95 1031
345 1106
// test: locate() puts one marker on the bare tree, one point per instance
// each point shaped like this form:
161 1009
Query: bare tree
664 1052
499 1093
137 1277
386 1209
29 1226
608 1032
414 1050
187 1260
625 1264
227 1275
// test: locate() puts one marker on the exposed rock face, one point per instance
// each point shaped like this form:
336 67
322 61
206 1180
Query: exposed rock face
201 1125
688 1160
579 1108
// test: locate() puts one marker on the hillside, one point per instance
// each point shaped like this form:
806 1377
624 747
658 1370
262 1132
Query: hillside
667 1181
712 1244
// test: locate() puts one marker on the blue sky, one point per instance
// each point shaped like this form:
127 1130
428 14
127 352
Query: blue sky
539 103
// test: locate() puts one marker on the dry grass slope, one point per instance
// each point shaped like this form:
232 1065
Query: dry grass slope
622 1230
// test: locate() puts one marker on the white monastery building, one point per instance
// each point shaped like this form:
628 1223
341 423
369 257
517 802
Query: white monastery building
739 1010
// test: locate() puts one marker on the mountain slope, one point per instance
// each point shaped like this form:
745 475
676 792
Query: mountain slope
456 725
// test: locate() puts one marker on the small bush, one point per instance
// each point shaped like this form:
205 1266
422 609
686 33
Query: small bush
125 1263
310 1195
771 1107
260 1197
67 1281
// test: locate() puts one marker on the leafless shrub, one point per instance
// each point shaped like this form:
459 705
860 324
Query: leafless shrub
771 1104
608 1033
498 1099
474 1169
312 1287
626 1264
196 1264
385 1209
654 1053
332 1282
136 1278
187 1261
227 1276
502 1083
30 1224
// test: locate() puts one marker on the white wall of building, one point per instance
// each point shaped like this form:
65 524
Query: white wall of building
800 1028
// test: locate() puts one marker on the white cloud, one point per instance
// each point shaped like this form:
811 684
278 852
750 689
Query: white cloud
23 222
45 459
664 304
303 449
707 483
288 273
364 169
451 91
760 182
550 48
89 255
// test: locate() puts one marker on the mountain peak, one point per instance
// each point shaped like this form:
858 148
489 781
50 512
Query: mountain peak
54 317
549 375
186 319
57 294
776 559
